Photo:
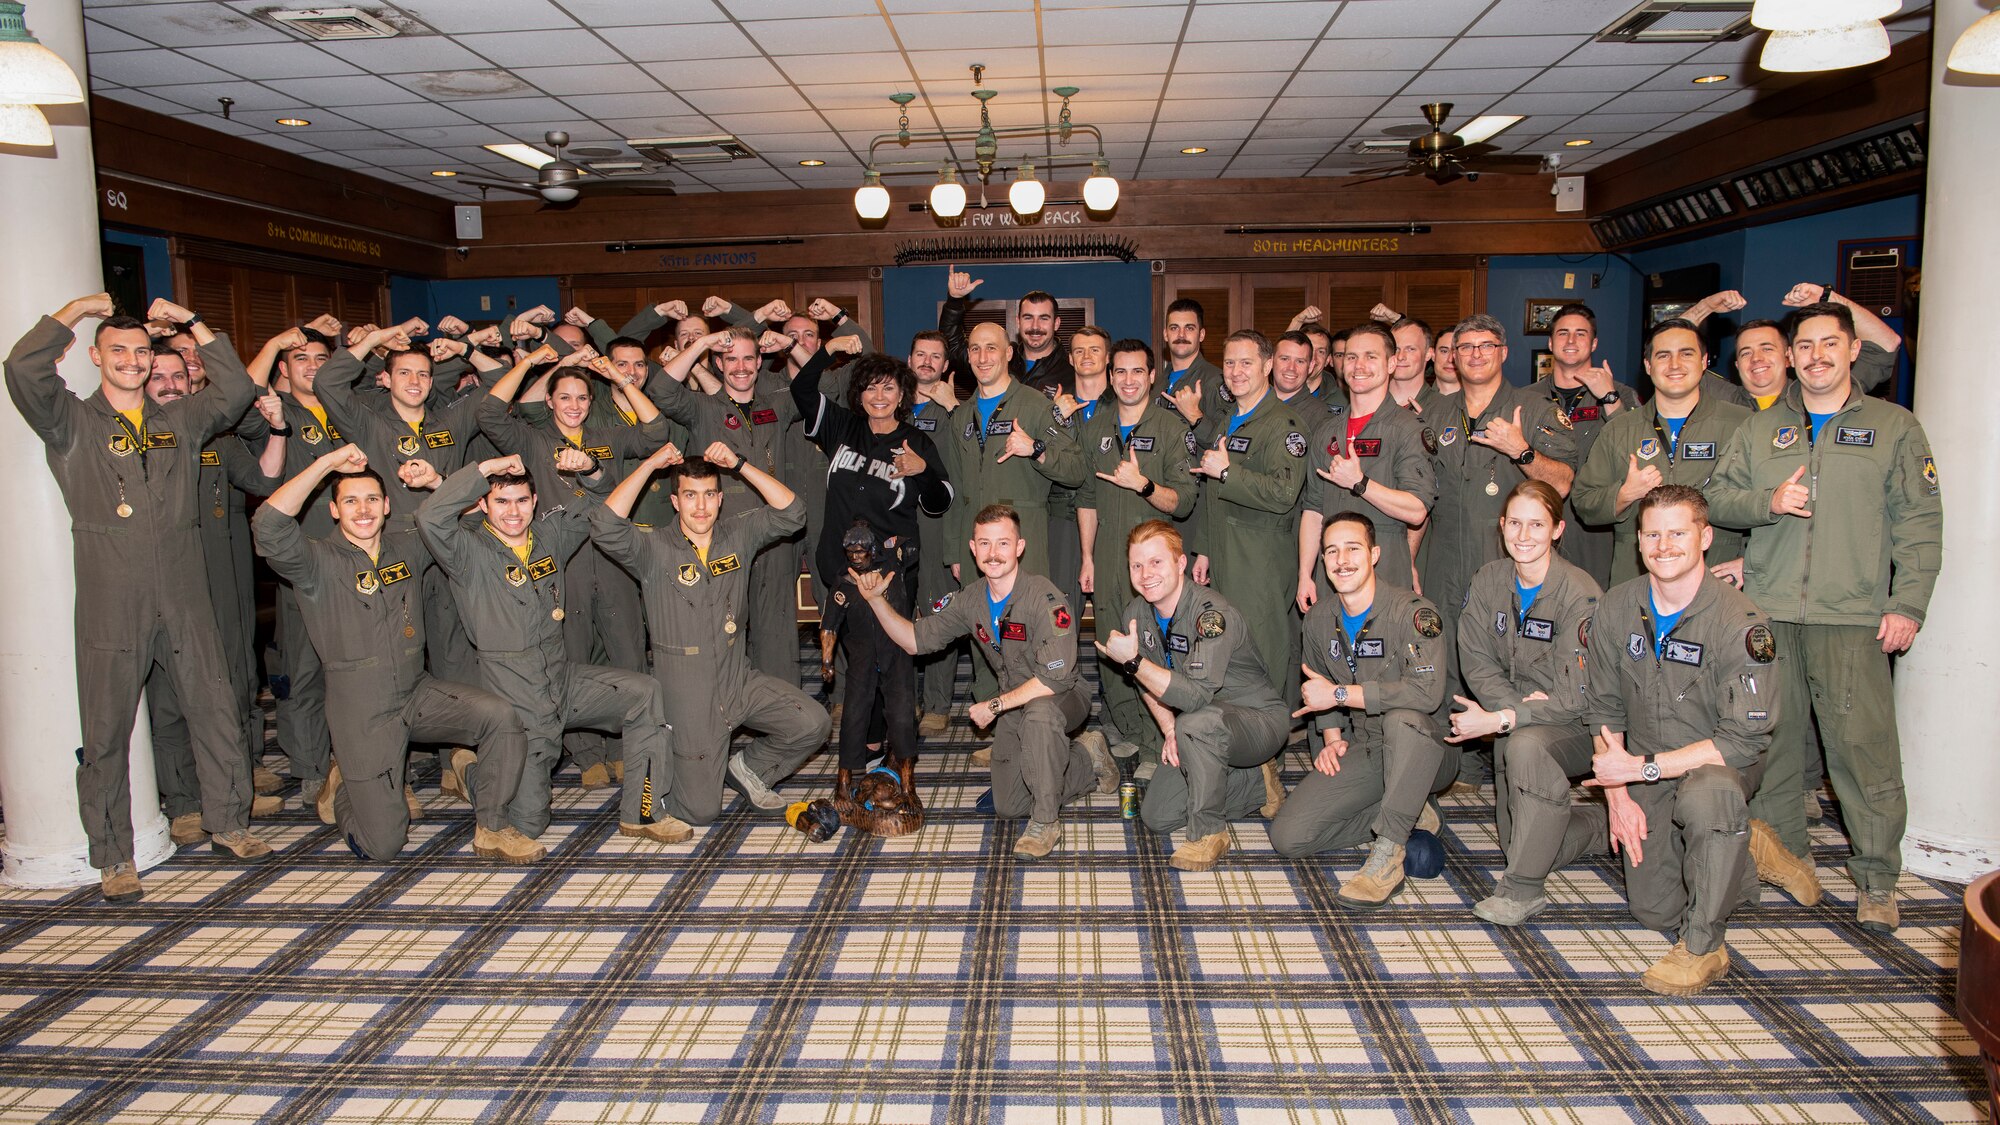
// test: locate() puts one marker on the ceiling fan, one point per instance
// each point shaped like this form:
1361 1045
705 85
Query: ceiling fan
1442 157
560 180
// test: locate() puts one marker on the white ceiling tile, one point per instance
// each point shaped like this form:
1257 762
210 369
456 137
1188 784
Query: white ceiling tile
764 99
402 55
1155 24
1241 56
1291 107
1544 17
1374 54
99 37
1665 101
271 60
1682 77
605 106
885 67
960 29
318 121
1632 54
406 116
509 111
1113 113
1374 19
852 95
611 78
954 67
1626 122
1298 20
1448 84
1552 105
453 16
715 74
831 35
1410 108
1589 79
152 67
1358 83
145 100
1320 128
250 97
541 48
1246 110
1742 50
356 89
1510 50
188 25
758 124
787 9
619 13
1110 73
1224 85
1282 147
665 43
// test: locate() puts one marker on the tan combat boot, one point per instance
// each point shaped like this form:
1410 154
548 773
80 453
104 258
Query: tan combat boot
240 844
666 830
983 757
1200 854
1876 911
410 802
185 829
618 770
934 724
323 804
120 883
508 845
1777 866
1101 761
1378 880
1681 973
1428 819
1038 839
1274 790
265 781
452 778
266 806
597 776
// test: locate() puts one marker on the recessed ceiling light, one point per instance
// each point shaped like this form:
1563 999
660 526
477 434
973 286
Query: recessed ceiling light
1482 129
1580 142
812 163
294 122
1193 150
525 154
443 172
1708 78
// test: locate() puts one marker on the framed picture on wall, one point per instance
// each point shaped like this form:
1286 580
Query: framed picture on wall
1545 363
1541 312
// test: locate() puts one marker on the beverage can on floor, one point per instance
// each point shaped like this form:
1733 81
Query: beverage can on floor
1128 799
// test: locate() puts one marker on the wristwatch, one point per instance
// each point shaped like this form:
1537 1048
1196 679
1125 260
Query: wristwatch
1152 486
281 431
1526 456
1608 397
1506 723
1340 695
193 319
1222 477
1649 770
1359 487
1130 667
1041 447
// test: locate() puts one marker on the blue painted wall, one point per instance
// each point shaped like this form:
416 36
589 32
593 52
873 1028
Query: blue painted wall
1123 290
411 296
1762 262
159 267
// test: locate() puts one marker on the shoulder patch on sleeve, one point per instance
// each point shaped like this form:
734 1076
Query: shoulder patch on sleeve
1762 646
1583 632
1430 440
1209 625
1427 622
1060 615
1295 444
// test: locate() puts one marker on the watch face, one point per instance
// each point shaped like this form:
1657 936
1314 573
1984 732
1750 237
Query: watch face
1650 771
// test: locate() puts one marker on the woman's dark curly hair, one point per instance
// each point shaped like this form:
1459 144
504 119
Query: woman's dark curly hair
876 368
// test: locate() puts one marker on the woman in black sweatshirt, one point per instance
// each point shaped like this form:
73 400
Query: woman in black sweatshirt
883 475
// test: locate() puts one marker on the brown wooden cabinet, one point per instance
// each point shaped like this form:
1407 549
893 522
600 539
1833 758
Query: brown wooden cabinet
253 295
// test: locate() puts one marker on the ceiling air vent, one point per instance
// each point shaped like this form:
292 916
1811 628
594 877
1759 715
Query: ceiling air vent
718 149
333 23
1681 21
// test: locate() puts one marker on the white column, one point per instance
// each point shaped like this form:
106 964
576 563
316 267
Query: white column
1946 687
48 222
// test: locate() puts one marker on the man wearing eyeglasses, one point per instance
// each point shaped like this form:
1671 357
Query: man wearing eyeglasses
1491 436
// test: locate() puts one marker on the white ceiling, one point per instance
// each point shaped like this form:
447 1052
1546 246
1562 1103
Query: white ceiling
1276 88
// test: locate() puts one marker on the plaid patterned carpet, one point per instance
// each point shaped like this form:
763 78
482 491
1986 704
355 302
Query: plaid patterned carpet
757 977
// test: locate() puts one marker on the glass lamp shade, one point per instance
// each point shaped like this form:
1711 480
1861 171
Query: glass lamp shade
24 125
1100 192
871 201
1817 15
1833 48
559 193
1026 196
31 74
1978 49
948 199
